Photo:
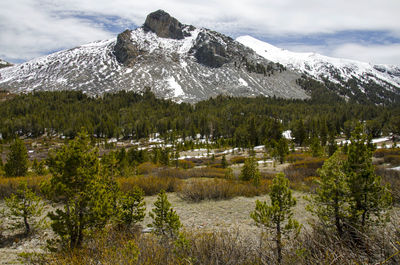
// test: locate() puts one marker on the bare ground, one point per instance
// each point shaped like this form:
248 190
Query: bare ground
231 215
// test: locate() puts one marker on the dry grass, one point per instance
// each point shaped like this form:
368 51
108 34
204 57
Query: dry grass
303 173
120 247
150 184
238 159
9 186
196 190
315 245
393 160
385 152
391 177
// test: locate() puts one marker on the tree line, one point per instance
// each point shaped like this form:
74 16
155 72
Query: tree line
241 121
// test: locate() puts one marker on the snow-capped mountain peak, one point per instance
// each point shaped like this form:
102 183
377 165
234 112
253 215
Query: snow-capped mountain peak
174 60
321 67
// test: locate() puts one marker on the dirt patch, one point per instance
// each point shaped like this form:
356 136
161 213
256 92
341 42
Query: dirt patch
233 215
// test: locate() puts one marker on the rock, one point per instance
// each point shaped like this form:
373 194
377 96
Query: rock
209 52
124 50
164 25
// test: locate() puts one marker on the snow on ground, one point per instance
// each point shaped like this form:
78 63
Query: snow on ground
265 162
175 86
287 134
243 82
380 140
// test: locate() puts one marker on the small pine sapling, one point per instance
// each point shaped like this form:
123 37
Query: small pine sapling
165 220
23 207
277 217
132 208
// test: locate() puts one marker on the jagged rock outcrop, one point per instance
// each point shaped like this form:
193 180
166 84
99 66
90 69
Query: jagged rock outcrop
124 50
210 53
164 25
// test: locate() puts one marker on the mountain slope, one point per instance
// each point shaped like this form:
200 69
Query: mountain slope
355 77
4 64
176 61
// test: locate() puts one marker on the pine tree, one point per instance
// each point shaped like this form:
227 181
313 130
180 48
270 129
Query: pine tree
224 163
17 160
38 167
330 202
368 197
75 182
278 216
332 146
250 171
165 220
132 208
299 132
24 206
280 149
315 147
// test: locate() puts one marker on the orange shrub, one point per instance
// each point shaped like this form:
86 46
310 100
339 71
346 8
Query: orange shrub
146 168
186 164
10 185
207 172
219 189
238 159
303 173
298 157
151 185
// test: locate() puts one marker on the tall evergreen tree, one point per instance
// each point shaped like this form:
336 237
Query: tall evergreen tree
369 199
17 160
87 202
250 171
330 203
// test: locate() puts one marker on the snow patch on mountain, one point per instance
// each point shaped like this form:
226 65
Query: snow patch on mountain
150 42
177 89
320 66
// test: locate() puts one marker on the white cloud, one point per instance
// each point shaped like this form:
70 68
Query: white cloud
377 54
29 28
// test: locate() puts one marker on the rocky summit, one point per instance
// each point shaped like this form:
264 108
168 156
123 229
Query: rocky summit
176 61
165 26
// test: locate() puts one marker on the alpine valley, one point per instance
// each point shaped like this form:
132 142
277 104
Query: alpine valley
189 64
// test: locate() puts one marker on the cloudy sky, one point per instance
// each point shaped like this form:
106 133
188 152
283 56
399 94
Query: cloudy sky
366 30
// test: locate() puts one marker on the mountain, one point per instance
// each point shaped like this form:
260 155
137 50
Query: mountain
349 78
4 64
176 61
